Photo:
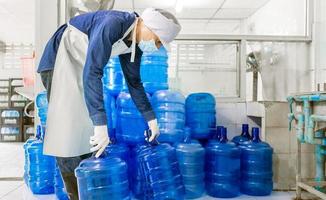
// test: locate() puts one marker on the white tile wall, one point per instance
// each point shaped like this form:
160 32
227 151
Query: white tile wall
319 42
283 141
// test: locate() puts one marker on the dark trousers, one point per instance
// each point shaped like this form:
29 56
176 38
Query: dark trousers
68 165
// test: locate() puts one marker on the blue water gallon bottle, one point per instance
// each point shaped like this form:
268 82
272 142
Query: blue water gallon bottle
41 169
191 158
222 168
169 107
256 166
130 123
102 178
244 137
26 146
59 187
113 79
122 151
154 70
160 169
200 114
42 106
138 185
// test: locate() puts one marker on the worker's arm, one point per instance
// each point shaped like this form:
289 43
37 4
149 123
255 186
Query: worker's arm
99 50
131 71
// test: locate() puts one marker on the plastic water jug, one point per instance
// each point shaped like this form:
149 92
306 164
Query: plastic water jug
26 146
169 107
222 168
121 151
256 166
160 169
244 137
200 114
154 70
42 105
41 169
191 158
138 185
113 79
102 178
130 123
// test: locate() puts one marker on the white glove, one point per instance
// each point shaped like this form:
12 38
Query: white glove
99 140
153 126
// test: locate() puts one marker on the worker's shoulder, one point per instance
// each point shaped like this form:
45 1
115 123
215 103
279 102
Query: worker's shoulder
121 16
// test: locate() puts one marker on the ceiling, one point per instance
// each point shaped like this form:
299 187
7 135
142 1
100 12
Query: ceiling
201 16
17 20
197 9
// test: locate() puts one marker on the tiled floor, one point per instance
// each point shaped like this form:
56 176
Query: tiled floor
19 191
12 161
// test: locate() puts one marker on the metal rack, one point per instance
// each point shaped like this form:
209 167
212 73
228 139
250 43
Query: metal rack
310 120
13 128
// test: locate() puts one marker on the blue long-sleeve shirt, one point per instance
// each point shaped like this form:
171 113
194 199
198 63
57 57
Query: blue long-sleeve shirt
103 29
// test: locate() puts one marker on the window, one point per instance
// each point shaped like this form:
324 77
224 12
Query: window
10 59
199 66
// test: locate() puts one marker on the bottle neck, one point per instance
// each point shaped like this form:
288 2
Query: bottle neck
187 135
245 131
255 135
223 136
218 132
38 131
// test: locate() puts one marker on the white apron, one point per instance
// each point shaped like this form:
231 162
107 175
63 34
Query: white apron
68 124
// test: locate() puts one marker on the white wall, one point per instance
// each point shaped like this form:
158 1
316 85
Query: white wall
285 69
319 42
278 17
232 116
45 25
17 23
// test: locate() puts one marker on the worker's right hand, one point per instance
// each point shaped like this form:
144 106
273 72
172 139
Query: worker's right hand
155 131
100 140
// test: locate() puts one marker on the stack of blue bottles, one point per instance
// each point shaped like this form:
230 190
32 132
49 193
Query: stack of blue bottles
200 114
160 169
222 168
113 79
42 106
154 70
244 137
26 146
59 188
41 169
256 166
169 107
102 178
130 123
191 158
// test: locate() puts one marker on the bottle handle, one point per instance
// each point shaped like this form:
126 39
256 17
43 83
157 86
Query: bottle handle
148 134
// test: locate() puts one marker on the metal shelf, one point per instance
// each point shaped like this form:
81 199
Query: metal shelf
10 126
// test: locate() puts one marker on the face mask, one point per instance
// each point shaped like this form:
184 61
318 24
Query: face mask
147 46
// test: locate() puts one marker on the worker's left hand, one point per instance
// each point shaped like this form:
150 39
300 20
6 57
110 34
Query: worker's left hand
99 140
155 131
